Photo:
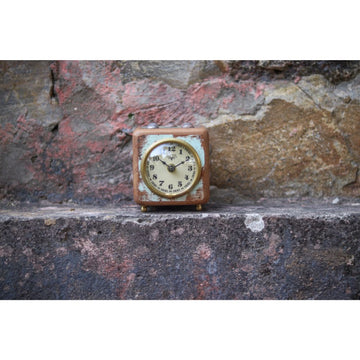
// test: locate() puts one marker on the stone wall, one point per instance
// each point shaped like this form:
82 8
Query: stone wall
277 128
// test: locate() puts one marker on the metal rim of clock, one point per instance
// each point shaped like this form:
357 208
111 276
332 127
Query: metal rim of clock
177 141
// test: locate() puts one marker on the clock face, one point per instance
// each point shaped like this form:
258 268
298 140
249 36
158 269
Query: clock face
171 168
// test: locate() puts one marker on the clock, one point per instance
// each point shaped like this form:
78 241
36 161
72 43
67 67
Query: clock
171 166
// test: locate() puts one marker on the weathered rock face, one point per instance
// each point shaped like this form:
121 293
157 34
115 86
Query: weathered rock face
277 128
304 140
64 125
265 70
28 122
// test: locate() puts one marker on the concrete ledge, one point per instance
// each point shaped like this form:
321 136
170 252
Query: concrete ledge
278 251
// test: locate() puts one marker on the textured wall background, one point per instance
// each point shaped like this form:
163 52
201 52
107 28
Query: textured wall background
277 128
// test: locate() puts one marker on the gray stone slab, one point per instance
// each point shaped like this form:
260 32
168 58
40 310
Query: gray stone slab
302 250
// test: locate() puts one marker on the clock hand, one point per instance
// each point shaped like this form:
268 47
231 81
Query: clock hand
164 162
183 162
180 163
170 167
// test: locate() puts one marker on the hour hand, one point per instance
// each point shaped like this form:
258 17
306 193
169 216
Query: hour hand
170 167
163 162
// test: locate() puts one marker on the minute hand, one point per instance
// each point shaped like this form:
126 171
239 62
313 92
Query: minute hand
183 162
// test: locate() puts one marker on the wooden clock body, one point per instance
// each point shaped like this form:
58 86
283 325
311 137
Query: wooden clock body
195 138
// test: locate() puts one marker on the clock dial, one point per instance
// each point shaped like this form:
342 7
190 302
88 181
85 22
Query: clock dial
171 168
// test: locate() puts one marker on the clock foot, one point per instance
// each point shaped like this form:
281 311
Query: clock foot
143 208
198 207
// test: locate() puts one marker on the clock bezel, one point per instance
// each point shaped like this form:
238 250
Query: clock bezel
158 192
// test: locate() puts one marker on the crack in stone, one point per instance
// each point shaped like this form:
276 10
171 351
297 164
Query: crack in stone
309 97
355 182
52 93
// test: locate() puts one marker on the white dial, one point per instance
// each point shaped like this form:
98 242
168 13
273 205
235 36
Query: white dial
171 168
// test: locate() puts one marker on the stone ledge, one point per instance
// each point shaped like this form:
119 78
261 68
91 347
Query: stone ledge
307 250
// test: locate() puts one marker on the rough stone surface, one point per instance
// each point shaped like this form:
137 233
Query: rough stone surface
265 70
178 74
304 141
278 128
255 251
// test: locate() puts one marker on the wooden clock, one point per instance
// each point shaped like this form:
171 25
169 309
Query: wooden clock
171 166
